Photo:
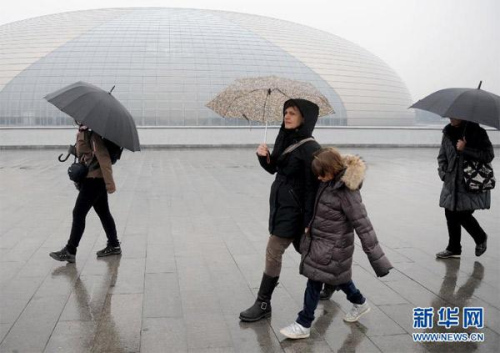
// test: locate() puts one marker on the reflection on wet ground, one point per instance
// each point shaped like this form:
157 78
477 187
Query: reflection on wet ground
194 230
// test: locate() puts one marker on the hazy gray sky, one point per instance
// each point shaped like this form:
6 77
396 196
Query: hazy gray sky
432 44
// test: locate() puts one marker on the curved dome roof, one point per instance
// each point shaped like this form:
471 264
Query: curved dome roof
168 63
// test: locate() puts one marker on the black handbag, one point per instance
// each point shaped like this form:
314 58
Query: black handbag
478 176
77 171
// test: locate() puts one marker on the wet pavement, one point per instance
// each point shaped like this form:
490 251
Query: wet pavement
193 227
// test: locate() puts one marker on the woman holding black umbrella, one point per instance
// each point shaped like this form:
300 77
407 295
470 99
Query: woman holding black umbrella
462 140
292 194
100 115
91 150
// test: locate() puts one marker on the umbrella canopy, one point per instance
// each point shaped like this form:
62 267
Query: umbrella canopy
98 110
262 98
469 104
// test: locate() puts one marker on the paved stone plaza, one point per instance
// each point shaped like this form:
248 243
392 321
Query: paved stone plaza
193 226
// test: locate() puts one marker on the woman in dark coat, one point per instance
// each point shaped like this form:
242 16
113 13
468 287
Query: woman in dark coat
327 249
462 140
292 194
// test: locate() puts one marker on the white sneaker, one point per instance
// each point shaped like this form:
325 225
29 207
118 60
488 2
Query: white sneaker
357 311
295 331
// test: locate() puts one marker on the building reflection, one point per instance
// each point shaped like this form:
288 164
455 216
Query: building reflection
451 296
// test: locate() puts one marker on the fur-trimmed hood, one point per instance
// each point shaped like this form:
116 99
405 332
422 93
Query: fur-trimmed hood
353 174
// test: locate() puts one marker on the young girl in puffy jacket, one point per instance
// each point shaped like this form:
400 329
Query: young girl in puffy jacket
327 249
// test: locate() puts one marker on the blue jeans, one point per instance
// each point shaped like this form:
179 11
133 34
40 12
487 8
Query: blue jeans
311 299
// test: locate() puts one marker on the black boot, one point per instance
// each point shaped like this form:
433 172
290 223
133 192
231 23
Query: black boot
262 306
327 292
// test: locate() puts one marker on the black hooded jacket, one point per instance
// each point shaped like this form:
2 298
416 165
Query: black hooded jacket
293 191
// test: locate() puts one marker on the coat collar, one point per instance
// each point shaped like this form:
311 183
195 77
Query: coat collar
353 174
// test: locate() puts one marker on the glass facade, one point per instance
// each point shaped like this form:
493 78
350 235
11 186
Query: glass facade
167 64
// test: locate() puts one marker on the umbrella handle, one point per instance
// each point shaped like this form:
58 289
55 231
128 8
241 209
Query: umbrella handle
63 159
265 133
71 151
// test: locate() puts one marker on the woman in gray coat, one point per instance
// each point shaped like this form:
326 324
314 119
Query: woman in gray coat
462 140
328 247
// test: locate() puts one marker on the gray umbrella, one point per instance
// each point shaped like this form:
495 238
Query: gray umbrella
469 104
98 110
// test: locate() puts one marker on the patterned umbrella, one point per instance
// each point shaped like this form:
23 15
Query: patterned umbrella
262 98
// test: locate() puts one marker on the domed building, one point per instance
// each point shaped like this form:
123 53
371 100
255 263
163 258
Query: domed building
168 63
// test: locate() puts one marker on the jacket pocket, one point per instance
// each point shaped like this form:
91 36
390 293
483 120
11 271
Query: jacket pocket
321 252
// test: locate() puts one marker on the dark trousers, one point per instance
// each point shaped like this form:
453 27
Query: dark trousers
455 221
311 299
92 194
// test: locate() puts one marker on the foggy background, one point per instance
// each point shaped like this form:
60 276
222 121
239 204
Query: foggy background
431 44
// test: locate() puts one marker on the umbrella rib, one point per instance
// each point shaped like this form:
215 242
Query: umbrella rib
252 91
447 112
239 97
267 98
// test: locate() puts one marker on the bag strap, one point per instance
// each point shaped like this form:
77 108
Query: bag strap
296 145
92 163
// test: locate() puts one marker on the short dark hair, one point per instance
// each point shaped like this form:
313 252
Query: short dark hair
327 161
290 103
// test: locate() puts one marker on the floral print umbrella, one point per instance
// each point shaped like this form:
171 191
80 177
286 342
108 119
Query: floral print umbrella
262 98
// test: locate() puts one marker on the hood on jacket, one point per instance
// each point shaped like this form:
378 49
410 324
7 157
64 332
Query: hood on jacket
309 111
353 174
285 138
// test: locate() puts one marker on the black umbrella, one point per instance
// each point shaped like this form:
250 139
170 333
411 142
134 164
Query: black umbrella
98 110
464 103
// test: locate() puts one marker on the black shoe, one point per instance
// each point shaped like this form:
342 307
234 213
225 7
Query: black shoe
327 292
481 248
109 250
261 309
63 255
447 254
